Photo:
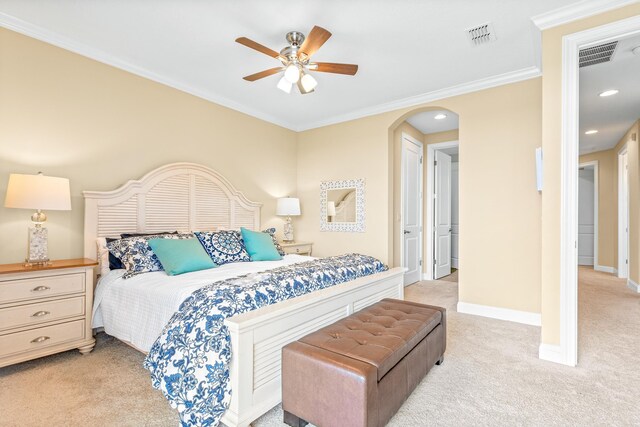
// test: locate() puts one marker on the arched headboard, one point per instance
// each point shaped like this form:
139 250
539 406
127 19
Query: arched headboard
178 196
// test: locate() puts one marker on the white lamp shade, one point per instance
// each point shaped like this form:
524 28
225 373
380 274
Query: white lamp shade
331 208
288 206
38 192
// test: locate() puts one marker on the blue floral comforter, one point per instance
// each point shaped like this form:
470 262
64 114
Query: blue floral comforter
189 362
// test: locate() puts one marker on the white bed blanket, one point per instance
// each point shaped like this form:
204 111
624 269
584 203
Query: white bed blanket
136 310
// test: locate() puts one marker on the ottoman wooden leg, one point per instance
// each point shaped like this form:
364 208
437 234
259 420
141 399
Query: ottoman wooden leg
440 361
293 420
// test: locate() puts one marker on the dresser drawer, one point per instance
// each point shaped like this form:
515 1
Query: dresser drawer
298 249
40 287
34 339
40 312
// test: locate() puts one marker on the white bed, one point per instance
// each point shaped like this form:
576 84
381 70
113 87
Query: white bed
191 197
135 310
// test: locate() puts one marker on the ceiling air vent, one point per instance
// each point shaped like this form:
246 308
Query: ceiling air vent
481 34
597 54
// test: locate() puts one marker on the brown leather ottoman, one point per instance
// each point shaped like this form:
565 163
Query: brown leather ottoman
358 371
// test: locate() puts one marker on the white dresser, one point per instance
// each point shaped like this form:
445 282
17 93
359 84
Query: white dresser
45 310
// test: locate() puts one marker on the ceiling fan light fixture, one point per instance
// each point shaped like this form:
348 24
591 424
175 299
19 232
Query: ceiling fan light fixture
292 73
308 82
285 85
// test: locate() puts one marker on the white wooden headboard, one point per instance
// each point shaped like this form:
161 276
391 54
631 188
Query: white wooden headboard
178 196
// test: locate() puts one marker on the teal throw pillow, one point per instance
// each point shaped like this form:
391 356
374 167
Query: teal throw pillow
260 246
181 256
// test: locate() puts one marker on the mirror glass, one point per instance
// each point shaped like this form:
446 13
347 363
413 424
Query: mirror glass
341 205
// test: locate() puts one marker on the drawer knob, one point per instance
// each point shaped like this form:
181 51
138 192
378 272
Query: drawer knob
39 339
40 289
40 313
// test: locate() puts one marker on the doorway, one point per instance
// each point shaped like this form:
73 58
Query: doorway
572 45
588 214
443 228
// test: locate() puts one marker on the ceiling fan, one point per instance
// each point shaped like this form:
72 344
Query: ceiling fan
296 60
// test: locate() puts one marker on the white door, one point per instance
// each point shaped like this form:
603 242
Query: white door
586 215
623 217
442 205
412 210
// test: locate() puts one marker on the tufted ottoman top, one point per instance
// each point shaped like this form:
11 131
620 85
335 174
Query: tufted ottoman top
379 335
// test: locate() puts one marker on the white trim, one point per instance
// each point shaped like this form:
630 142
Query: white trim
623 208
577 11
596 205
461 89
428 229
500 313
421 189
605 269
633 286
550 353
15 24
569 174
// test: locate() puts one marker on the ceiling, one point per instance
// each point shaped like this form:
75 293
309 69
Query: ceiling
404 48
611 116
426 123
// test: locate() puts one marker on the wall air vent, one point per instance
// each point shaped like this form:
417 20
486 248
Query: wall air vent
481 34
597 54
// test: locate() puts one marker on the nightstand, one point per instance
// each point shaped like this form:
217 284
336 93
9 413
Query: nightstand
299 248
45 309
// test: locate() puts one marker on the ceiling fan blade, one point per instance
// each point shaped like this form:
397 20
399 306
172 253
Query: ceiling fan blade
257 46
332 67
262 74
301 88
314 40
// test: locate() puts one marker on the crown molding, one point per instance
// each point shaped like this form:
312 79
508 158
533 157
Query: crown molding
576 11
15 24
474 86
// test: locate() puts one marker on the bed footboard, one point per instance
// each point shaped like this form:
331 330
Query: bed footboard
257 338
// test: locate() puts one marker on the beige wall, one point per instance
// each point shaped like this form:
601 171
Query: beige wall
607 205
608 201
633 163
499 205
70 116
551 138
437 137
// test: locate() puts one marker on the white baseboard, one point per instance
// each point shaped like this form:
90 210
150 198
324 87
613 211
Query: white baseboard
525 317
551 353
605 269
425 276
633 285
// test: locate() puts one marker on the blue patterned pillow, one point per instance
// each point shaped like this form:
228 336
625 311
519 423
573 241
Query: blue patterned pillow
136 255
223 247
272 232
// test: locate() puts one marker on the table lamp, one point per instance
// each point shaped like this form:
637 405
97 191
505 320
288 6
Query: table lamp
38 192
331 210
288 206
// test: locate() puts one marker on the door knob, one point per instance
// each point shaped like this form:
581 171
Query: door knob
407 232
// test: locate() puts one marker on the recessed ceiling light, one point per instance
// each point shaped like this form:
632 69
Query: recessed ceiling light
609 92
440 116
591 132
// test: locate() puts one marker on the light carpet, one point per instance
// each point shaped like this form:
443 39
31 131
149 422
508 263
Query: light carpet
491 375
